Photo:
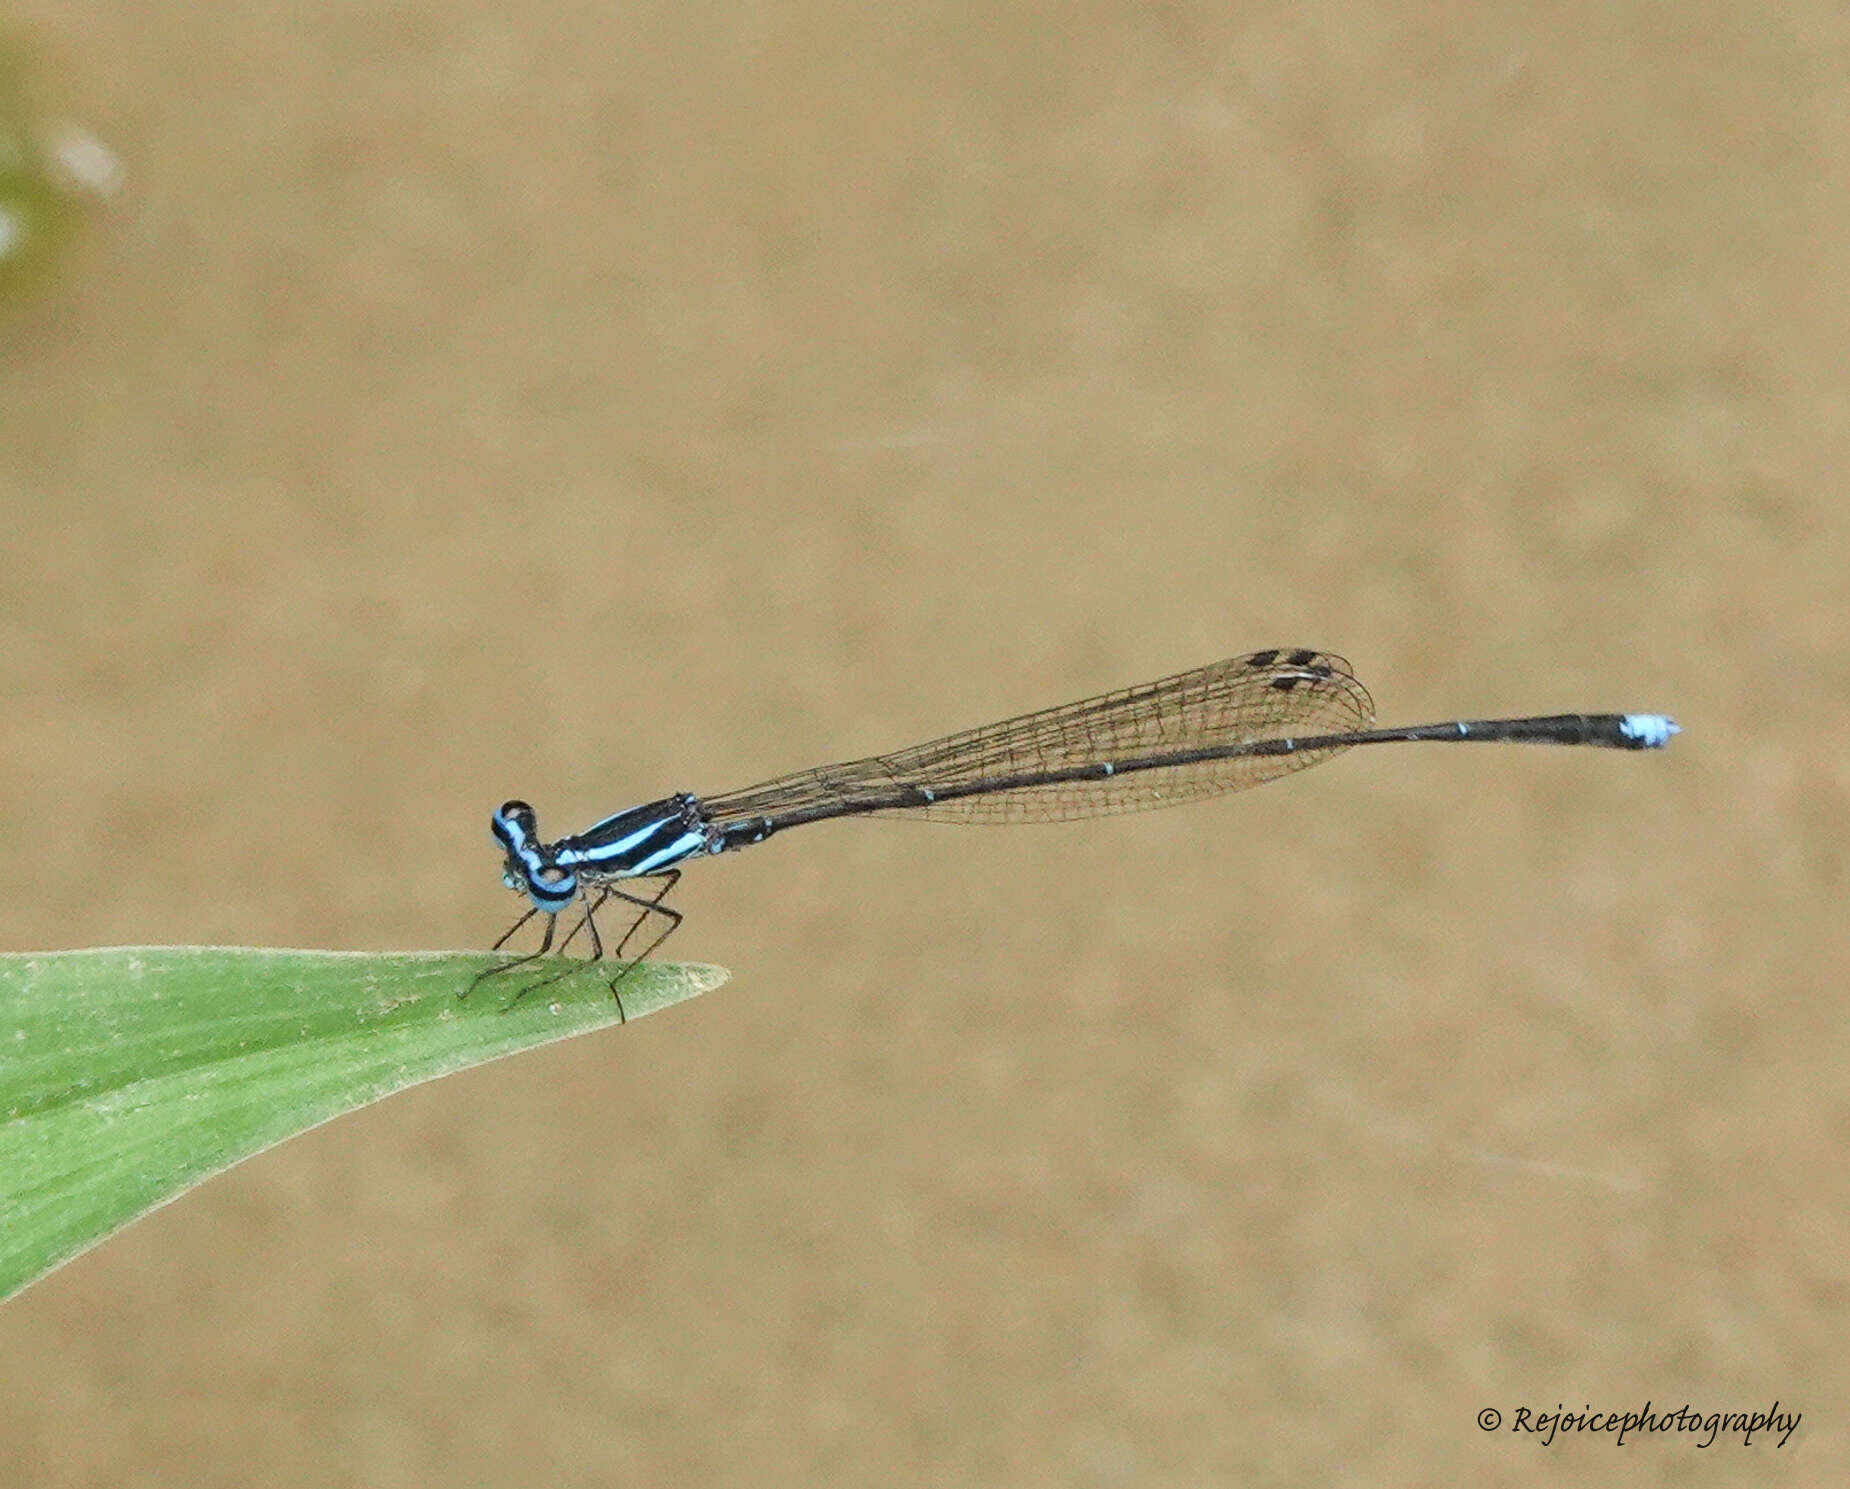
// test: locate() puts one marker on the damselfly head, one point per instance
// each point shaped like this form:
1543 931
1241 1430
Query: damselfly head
531 866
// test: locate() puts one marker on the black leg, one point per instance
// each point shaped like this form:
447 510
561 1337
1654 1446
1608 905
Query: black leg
552 922
671 877
588 922
508 934
587 926
651 906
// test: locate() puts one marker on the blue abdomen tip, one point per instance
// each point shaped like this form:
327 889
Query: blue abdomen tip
1651 730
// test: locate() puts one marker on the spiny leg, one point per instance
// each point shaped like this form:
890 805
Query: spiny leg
552 922
671 877
644 908
647 907
586 922
587 925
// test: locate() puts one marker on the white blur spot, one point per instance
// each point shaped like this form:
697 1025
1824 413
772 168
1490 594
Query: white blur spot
1653 730
83 163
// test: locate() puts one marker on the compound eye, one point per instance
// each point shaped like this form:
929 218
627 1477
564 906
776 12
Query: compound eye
552 888
514 825
516 814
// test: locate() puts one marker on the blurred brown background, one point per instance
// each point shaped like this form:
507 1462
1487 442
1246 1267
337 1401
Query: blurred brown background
583 402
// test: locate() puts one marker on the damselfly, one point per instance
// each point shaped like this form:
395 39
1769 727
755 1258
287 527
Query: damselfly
1220 728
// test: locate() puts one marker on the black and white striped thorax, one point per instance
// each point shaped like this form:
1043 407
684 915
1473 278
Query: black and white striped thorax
649 839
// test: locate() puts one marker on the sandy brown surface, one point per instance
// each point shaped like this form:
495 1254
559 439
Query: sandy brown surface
583 402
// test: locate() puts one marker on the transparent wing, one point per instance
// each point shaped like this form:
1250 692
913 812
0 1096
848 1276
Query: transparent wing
1266 695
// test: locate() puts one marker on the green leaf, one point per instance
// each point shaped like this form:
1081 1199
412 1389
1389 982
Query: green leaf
130 1074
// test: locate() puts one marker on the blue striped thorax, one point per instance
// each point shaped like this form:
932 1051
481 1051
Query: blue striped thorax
643 840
